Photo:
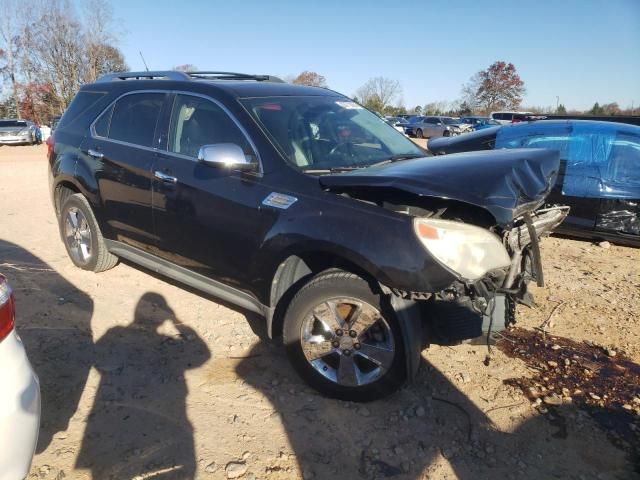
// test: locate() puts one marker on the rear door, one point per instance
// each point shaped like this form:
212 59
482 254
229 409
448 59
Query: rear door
122 152
207 218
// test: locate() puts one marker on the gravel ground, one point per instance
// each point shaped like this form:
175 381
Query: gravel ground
142 378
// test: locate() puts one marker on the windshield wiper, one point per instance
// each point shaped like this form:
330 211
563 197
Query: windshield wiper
396 158
332 169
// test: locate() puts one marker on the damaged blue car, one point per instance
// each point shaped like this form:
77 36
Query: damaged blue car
599 174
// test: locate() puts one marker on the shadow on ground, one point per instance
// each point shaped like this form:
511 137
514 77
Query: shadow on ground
139 412
138 422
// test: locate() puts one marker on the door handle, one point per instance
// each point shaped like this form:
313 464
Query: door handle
95 153
164 177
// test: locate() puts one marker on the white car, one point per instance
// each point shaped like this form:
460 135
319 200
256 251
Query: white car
20 397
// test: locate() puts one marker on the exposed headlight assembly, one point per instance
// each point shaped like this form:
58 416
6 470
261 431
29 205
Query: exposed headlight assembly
465 249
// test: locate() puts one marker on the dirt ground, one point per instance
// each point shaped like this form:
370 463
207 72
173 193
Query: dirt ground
143 379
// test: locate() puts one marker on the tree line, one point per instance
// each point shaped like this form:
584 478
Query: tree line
498 87
48 50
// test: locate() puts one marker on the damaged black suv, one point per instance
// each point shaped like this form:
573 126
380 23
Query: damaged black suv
295 202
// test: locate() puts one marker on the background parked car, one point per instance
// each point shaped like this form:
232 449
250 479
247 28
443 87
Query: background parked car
397 122
428 127
599 171
17 132
478 123
509 117
20 398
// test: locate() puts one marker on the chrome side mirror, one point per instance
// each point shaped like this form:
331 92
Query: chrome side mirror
226 155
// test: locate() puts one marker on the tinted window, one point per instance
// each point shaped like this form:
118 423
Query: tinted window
12 123
81 102
134 118
197 121
101 127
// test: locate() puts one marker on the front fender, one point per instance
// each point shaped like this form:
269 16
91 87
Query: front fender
381 243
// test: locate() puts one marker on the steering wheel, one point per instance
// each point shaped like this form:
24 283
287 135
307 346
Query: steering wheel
343 148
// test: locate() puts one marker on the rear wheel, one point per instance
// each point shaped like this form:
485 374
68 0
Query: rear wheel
82 236
419 133
343 340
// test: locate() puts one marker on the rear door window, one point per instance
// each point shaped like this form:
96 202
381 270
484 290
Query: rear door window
134 118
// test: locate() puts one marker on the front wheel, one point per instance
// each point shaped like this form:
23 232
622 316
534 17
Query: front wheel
343 339
419 133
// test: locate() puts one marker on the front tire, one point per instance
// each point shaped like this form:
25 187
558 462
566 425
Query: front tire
419 133
82 236
343 338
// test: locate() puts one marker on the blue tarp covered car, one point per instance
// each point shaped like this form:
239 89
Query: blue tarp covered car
599 172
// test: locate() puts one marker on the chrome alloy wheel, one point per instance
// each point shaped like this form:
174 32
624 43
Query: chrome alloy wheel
347 341
77 235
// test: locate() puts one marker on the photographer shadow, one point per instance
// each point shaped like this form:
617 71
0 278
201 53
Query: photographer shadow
138 424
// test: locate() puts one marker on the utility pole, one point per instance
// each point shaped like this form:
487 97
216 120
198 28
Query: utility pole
557 103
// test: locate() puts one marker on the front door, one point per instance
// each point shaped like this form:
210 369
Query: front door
207 218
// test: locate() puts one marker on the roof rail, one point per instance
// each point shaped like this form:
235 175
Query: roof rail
176 75
233 76
168 75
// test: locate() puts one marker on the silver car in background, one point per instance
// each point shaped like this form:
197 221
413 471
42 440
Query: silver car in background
17 132
428 127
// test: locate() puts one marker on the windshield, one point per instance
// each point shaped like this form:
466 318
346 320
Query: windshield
324 133
12 123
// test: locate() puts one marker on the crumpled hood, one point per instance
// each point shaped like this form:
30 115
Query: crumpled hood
504 182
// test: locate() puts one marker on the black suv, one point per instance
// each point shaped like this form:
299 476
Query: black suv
295 202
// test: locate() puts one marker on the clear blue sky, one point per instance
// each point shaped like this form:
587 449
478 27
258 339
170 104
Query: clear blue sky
581 50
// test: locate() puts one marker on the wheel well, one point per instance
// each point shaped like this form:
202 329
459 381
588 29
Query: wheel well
294 272
63 190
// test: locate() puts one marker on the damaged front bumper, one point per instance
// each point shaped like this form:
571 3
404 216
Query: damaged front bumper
481 309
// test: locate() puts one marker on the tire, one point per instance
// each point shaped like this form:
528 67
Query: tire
339 364
419 133
446 133
81 235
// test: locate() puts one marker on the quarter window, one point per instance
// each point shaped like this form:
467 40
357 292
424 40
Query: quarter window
101 127
196 122
134 118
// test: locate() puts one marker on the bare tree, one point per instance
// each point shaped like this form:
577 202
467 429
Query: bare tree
64 51
11 26
101 56
379 91
469 92
312 79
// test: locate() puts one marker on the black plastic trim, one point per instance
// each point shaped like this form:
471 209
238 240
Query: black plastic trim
195 280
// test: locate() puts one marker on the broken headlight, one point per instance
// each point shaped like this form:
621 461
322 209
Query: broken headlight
468 250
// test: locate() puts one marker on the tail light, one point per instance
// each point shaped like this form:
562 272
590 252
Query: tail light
7 308
50 143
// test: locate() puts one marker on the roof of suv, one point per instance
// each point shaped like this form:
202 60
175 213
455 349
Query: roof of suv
239 85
